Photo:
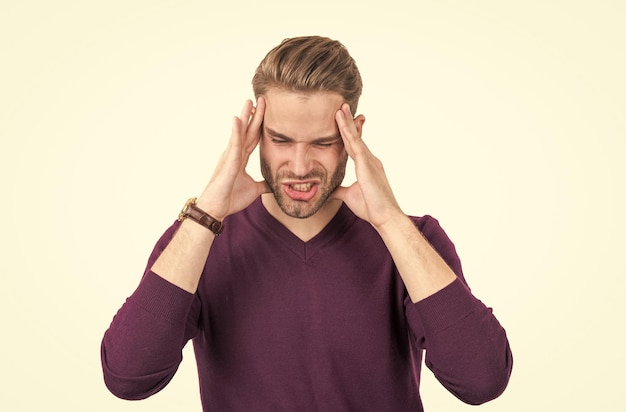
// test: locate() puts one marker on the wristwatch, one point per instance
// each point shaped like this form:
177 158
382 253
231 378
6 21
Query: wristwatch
193 212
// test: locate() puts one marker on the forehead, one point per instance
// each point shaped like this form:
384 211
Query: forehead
301 115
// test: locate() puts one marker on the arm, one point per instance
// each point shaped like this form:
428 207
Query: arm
371 198
230 190
159 312
466 347
142 348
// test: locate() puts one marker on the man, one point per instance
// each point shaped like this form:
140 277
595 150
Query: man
314 296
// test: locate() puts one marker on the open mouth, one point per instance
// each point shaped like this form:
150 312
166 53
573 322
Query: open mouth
302 191
301 187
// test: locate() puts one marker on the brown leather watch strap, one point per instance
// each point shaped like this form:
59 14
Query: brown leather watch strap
193 212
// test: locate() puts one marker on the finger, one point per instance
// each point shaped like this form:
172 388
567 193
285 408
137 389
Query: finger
351 130
246 111
239 128
354 123
347 129
258 112
260 102
236 132
254 128
342 123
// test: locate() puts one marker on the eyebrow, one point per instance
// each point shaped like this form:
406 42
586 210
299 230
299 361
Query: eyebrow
324 139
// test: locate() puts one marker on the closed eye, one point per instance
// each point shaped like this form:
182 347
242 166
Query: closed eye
278 140
326 141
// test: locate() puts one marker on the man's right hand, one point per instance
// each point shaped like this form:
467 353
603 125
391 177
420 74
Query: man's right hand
231 188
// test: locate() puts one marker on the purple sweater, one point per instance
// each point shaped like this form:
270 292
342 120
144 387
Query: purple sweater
323 325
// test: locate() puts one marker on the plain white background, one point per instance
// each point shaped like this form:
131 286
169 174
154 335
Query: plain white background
505 120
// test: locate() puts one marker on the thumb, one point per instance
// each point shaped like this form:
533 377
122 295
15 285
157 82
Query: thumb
338 194
263 187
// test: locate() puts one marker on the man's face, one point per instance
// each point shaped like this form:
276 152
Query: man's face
302 155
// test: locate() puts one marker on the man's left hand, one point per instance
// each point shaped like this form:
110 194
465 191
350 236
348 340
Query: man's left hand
370 197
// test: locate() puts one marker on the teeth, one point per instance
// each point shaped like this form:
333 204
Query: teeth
302 187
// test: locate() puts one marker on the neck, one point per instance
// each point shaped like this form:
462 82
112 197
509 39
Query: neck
304 229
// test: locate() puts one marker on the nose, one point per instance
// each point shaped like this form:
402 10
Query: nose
301 161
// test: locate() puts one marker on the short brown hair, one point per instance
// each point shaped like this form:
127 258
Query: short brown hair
310 63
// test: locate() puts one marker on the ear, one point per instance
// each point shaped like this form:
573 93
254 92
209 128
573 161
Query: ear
358 123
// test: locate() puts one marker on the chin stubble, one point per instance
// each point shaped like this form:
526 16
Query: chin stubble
299 209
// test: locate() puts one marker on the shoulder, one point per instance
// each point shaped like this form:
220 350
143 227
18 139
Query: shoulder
428 226
422 221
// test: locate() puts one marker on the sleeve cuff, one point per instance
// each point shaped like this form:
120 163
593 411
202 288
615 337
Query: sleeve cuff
442 309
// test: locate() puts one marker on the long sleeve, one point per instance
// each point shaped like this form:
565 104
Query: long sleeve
466 347
142 348
279 324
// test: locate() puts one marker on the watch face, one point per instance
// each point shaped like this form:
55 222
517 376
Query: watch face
183 213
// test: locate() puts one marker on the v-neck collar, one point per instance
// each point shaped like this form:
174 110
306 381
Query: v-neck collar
342 220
